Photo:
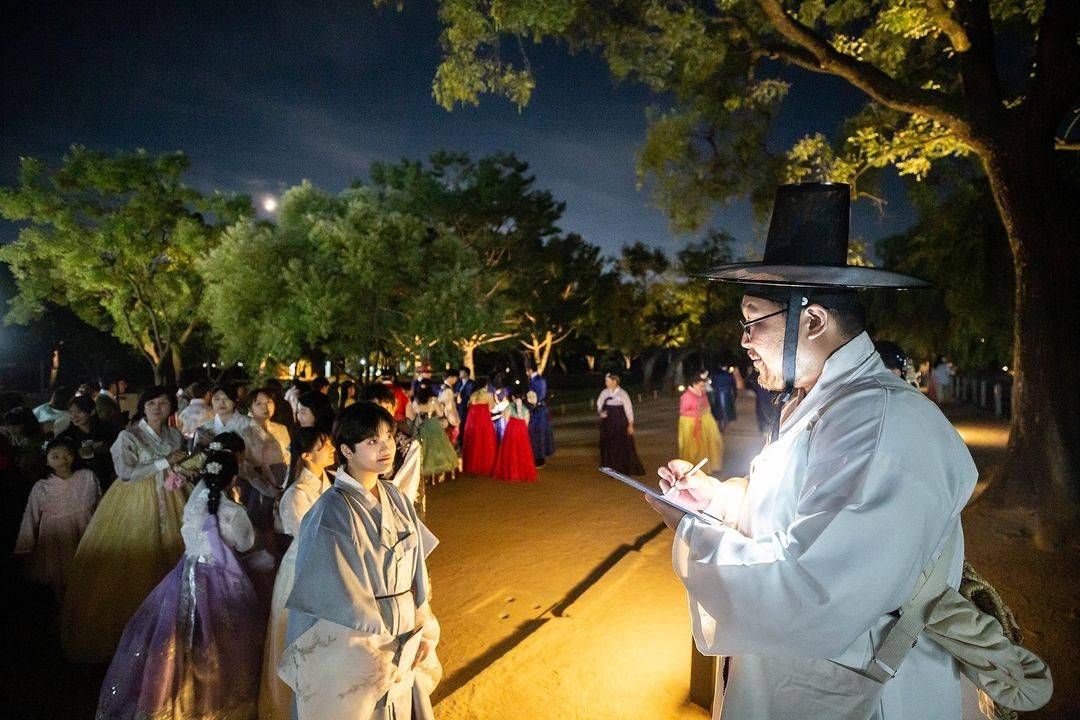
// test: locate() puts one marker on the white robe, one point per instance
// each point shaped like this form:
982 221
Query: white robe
861 489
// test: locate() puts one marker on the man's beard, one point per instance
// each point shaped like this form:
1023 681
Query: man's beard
769 380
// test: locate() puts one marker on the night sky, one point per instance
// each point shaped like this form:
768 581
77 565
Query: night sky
263 95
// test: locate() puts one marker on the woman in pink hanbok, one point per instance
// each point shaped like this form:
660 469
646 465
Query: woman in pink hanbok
56 516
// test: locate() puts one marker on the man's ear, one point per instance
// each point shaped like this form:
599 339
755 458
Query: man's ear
819 320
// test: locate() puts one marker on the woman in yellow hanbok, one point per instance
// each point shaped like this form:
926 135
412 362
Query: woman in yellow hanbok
132 541
699 435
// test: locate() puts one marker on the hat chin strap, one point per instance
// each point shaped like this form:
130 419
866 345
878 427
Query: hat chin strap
796 301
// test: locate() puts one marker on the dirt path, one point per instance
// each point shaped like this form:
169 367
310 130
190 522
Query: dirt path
511 553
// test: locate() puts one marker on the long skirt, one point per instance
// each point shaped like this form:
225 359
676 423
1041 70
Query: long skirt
617 449
514 461
541 436
701 440
478 443
439 455
275 697
192 650
131 543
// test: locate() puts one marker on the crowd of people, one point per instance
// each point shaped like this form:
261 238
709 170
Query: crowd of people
173 534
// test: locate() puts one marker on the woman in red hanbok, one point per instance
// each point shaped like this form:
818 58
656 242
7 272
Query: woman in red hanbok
479 445
514 461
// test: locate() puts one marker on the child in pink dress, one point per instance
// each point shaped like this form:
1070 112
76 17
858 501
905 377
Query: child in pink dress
56 515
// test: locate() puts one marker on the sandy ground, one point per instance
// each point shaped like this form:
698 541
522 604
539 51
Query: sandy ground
511 555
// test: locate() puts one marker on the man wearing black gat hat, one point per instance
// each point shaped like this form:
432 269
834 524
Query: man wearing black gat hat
859 490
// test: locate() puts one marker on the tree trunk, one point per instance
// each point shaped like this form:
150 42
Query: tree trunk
1043 452
54 370
648 367
468 351
177 356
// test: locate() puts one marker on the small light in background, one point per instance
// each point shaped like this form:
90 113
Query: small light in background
1005 368
270 203
240 364
682 388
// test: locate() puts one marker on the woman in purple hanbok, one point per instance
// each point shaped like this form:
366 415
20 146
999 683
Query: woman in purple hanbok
193 649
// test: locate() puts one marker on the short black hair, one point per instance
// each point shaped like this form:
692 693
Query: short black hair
84 403
319 383
198 389
850 318
379 393
153 393
231 391
464 371
357 423
842 303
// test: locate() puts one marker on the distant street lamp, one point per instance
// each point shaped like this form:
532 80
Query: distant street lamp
269 203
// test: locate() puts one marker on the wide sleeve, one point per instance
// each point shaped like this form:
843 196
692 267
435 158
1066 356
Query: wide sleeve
331 580
126 462
91 489
31 521
428 542
295 503
235 527
600 399
628 407
863 529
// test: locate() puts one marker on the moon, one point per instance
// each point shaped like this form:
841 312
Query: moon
269 203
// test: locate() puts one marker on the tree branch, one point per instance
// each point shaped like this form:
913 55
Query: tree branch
818 55
978 66
958 37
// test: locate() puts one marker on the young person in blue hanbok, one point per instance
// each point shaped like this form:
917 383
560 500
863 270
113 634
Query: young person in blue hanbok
361 636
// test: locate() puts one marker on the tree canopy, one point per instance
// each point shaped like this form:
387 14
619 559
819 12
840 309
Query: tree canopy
115 239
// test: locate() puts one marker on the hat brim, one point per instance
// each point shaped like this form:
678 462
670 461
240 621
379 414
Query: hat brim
813 276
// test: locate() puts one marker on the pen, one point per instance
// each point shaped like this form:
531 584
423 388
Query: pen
701 464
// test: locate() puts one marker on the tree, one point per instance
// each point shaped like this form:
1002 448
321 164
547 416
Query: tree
554 294
458 302
334 277
541 278
990 79
967 313
115 239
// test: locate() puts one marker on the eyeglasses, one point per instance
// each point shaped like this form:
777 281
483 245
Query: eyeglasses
746 325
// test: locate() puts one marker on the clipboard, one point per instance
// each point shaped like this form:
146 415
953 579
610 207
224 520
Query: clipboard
656 494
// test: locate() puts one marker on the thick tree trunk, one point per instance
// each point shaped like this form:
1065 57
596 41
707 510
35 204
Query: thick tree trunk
1043 455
